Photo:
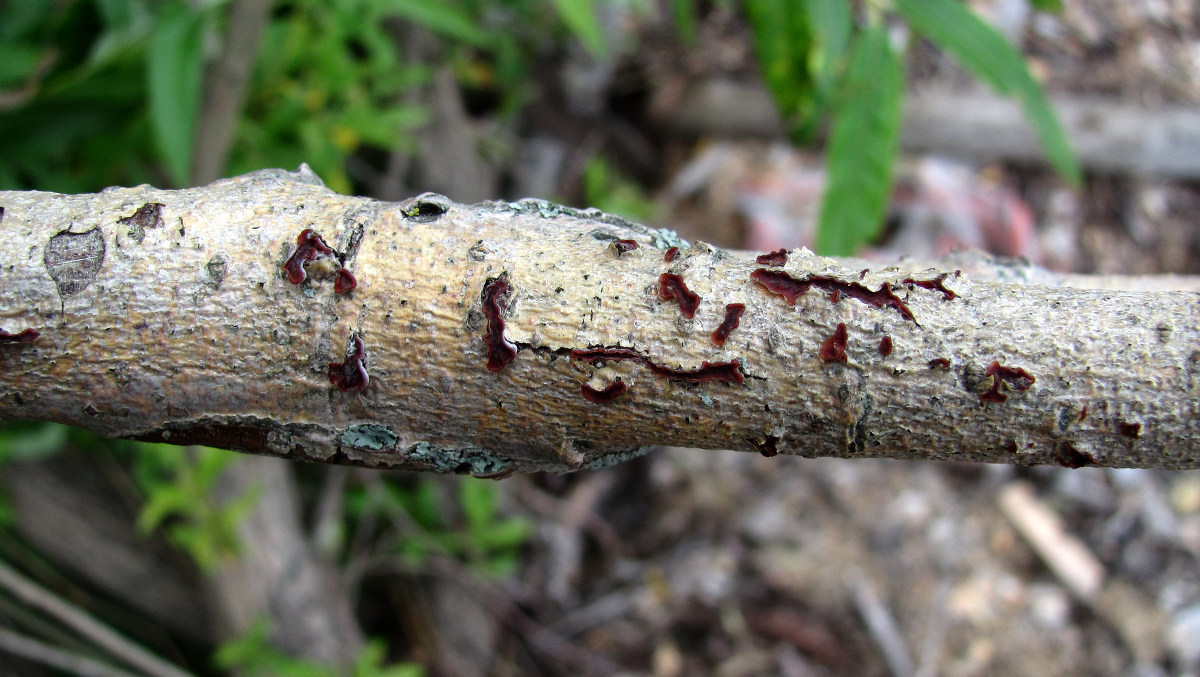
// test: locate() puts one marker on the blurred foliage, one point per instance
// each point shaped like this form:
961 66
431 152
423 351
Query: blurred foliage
178 483
832 60
253 656
424 520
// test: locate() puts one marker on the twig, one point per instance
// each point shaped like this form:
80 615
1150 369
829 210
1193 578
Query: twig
119 647
881 625
225 89
32 650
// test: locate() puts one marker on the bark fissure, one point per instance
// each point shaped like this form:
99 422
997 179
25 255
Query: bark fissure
514 336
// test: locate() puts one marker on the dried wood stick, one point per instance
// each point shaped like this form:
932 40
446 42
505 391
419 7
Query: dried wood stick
270 315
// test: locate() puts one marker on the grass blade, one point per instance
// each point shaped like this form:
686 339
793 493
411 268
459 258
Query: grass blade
174 73
985 52
862 146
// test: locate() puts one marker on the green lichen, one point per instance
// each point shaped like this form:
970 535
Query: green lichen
369 436
618 457
708 401
476 461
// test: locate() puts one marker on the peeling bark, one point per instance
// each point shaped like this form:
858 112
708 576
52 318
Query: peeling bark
170 316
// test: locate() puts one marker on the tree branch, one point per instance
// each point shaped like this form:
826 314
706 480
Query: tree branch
523 336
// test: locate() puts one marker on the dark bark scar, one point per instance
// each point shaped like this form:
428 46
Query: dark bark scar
768 445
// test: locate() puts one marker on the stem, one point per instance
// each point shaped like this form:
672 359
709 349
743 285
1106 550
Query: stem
186 329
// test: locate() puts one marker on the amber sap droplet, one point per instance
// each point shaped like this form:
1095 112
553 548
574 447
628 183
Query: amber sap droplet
670 254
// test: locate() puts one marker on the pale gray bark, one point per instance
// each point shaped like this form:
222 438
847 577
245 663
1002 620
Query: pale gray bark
177 323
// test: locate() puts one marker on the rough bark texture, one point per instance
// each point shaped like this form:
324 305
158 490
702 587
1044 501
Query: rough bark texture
169 316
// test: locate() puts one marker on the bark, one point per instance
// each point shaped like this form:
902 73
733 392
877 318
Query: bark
169 316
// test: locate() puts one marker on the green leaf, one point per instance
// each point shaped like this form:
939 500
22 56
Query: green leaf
782 41
441 17
174 71
831 23
580 17
683 15
862 146
985 52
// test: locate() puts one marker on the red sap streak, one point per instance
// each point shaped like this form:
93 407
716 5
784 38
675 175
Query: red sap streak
671 286
623 246
779 282
350 374
612 392
775 259
600 354
885 346
934 284
344 282
23 336
309 247
1130 429
707 371
833 349
1018 379
733 313
670 254
500 350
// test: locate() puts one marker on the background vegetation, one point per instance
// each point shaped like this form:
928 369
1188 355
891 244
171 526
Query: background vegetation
96 93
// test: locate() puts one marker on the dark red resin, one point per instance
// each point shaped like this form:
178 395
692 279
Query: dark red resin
767 446
1068 456
344 283
23 336
501 351
935 284
1083 412
309 248
775 259
671 286
350 374
601 354
833 349
1130 429
1014 377
707 371
885 346
733 314
612 392
670 254
779 282
623 246
939 362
